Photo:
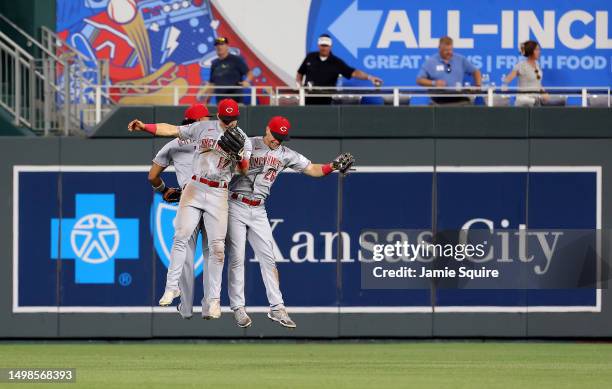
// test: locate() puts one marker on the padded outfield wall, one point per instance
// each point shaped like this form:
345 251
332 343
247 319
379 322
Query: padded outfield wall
417 168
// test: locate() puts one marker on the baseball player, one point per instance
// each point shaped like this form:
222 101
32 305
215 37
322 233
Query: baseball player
222 148
248 219
179 153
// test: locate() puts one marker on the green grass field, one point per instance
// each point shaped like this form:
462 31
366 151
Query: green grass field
322 365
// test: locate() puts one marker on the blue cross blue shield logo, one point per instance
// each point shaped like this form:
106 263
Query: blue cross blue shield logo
162 228
94 238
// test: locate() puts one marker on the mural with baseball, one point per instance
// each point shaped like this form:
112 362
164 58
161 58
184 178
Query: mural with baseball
153 47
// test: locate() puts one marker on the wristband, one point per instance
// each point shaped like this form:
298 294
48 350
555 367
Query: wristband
243 164
326 169
161 188
151 128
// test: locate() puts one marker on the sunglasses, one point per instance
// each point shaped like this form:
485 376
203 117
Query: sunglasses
228 119
278 138
537 72
448 68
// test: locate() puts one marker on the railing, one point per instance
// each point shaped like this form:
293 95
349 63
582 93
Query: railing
22 88
489 95
94 71
54 88
125 93
48 87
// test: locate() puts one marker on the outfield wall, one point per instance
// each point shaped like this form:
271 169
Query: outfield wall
424 181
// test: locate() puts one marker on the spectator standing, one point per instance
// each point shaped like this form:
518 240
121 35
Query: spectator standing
227 70
529 75
447 69
322 68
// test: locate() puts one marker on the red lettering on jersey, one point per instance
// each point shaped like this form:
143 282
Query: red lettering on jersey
206 144
266 160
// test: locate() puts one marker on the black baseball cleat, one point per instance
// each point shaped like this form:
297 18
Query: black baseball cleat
178 309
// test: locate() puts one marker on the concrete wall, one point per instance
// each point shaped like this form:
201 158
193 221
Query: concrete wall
357 122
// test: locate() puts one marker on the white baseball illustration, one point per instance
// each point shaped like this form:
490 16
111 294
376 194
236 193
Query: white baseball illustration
122 11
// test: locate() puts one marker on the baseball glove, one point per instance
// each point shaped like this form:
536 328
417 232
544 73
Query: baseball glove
172 195
343 163
232 142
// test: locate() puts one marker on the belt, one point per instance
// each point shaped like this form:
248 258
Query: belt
212 184
246 200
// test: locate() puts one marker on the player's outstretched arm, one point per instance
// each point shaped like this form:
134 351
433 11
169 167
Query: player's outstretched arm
343 163
156 129
318 169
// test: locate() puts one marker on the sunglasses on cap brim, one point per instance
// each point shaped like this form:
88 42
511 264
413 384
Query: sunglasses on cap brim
279 137
228 119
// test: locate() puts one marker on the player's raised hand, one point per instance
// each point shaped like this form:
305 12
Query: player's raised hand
136 125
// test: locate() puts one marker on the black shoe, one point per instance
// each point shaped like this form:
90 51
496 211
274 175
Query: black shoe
178 309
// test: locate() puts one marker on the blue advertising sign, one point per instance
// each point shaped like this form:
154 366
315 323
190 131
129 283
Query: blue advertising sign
392 39
102 239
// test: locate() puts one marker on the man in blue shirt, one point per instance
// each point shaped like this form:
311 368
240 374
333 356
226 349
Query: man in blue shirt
228 70
447 69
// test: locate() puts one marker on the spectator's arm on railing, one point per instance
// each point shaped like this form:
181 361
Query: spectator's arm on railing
477 77
422 81
510 77
361 75
248 79
206 92
299 77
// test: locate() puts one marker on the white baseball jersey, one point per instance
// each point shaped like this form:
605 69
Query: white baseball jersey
178 152
208 158
264 166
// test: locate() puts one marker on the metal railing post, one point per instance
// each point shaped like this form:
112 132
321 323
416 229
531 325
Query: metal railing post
50 45
32 92
66 98
17 81
47 96
302 97
396 97
99 69
175 95
584 97
489 97
98 104
253 96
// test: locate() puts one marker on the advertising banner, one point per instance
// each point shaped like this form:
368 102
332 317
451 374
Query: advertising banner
167 43
98 240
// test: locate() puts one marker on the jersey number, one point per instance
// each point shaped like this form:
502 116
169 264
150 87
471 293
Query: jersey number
270 175
223 163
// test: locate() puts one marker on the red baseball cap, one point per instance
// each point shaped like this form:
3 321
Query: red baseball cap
279 127
196 112
228 108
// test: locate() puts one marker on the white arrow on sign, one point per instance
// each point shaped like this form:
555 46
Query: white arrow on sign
354 28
